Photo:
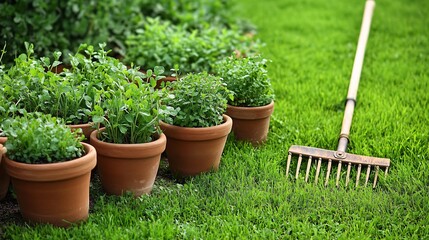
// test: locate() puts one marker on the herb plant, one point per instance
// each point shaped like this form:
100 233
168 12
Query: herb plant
132 113
162 43
39 138
199 100
247 78
30 85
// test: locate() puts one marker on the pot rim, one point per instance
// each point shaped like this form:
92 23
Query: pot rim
263 106
250 112
53 171
81 125
125 150
198 133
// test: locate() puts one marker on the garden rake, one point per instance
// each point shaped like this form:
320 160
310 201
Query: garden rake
340 155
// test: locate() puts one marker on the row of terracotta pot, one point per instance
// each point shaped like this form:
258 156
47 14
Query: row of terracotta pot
48 194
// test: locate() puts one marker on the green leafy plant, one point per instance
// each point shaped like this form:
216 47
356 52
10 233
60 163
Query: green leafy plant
39 138
199 100
132 113
248 79
33 21
162 43
30 85
88 81
196 14
24 85
62 25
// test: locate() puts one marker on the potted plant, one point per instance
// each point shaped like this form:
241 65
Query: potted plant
130 144
197 131
49 167
253 101
30 85
91 75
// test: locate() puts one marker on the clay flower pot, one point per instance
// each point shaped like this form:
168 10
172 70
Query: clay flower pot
4 177
251 123
128 167
191 151
55 193
86 129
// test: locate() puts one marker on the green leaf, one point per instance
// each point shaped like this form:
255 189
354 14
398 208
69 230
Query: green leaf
123 129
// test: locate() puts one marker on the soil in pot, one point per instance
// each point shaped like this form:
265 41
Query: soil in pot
191 151
55 193
128 167
251 123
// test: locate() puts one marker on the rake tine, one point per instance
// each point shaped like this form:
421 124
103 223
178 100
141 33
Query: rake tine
328 172
338 173
385 172
308 168
318 170
376 176
348 173
289 157
368 172
358 174
298 166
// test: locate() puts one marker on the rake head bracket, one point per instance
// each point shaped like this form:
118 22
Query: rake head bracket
339 156
336 156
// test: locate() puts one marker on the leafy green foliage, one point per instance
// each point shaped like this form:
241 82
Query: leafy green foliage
38 138
199 99
30 21
162 43
94 74
132 112
192 14
26 86
63 25
248 79
30 85
95 22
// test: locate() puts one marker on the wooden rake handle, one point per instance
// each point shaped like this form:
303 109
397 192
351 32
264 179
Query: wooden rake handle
355 77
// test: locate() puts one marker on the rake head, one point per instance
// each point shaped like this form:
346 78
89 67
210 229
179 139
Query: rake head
339 157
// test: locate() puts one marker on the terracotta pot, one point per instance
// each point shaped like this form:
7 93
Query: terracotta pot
251 123
86 129
4 177
55 193
128 167
191 151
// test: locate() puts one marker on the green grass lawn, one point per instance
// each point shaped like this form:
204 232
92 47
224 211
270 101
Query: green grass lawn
312 45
